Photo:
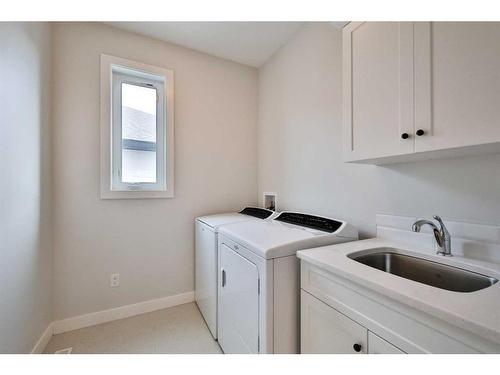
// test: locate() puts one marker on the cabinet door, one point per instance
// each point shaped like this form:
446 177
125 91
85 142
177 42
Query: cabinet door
378 89
377 345
238 303
206 274
325 330
457 74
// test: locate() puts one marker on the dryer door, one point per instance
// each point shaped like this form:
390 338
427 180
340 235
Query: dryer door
238 303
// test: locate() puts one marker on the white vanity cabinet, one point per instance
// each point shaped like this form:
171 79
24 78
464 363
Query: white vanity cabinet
325 330
419 90
378 345
338 317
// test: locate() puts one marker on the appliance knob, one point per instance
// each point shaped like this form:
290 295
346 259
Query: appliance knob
405 136
420 132
357 348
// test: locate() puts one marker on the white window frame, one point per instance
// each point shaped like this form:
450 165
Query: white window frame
121 76
114 72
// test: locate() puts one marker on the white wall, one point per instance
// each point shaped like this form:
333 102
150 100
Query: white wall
25 217
149 242
300 149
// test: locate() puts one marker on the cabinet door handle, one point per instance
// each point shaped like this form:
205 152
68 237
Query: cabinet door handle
405 136
420 132
223 278
357 348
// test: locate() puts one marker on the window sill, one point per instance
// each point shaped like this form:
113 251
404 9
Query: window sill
144 194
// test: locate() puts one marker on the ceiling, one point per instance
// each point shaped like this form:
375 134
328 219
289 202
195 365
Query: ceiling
249 43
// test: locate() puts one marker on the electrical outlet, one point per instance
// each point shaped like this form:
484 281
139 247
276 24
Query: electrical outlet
114 280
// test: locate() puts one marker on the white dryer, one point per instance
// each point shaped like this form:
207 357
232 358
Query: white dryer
206 229
259 288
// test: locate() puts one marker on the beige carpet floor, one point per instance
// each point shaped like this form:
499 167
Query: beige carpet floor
179 329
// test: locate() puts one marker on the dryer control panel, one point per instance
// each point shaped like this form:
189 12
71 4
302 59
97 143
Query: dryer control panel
260 213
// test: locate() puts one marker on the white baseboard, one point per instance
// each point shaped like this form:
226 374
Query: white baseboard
121 312
92 319
43 340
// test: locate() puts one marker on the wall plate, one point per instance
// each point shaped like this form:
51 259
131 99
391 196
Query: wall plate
269 201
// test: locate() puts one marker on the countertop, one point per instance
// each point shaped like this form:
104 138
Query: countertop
477 312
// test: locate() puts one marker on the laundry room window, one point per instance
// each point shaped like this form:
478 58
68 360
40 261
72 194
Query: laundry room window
136 130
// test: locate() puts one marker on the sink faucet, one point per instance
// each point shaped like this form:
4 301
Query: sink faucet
442 236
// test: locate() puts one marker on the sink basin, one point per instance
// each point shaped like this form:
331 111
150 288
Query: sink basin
425 271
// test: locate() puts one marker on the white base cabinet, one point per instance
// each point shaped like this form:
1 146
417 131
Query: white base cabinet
338 317
377 345
327 331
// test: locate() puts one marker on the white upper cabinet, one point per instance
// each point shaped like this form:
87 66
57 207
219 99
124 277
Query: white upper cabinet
460 81
436 83
378 89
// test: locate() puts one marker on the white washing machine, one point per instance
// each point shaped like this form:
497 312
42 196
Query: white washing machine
206 229
259 288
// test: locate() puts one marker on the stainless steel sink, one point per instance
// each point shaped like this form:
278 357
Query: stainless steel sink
425 271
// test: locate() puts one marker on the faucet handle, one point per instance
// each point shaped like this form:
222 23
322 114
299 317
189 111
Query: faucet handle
440 221
436 217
